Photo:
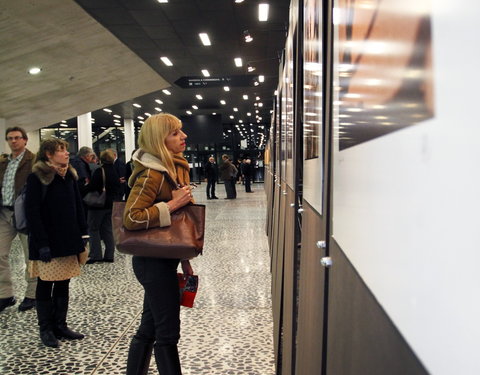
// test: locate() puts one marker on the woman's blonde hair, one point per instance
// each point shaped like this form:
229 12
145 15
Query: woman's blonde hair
153 135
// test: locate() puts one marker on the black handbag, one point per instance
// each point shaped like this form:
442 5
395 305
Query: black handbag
96 199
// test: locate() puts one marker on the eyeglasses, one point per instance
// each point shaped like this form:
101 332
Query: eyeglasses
14 138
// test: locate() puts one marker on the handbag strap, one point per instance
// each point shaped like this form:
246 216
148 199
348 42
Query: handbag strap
103 178
170 180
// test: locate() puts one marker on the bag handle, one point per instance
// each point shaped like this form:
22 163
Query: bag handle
170 180
103 178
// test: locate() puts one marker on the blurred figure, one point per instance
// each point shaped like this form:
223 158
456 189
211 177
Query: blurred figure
247 171
121 169
99 219
57 235
81 163
228 173
211 173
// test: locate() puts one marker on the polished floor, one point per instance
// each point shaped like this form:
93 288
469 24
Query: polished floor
228 331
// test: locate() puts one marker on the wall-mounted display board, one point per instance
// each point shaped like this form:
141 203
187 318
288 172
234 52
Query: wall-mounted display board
313 104
405 174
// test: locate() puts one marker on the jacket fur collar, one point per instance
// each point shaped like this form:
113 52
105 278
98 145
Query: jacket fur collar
46 174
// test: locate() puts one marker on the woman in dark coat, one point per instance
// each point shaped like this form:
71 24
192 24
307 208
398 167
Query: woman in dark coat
57 237
100 218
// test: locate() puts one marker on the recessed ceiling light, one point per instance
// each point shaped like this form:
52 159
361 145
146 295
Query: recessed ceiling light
107 110
214 113
223 102
158 109
239 1
162 1
205 73
250 68
235 109
117 116
64 125
245 97
137 105
231 116
257 98
263 12
261 78
147 114
158 101
249 114
189 112
199 97
226 88
166 61
141 118
205 39
194 107
166 92
238 61
34 70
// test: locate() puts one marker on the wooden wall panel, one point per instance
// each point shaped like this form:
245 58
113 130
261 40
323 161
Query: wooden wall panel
311 295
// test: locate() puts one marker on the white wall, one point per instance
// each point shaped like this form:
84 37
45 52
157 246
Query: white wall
407 206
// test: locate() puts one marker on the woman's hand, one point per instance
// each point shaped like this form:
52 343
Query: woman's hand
180 198
187 268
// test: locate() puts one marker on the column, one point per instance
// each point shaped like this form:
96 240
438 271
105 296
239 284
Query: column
129 137
84 131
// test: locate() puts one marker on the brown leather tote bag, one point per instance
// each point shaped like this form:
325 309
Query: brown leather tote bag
183 239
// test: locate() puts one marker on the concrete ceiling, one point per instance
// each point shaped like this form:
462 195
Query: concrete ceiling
84 67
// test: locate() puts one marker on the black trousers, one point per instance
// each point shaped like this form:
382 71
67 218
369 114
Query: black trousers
230 189
160 321
248 180
211 188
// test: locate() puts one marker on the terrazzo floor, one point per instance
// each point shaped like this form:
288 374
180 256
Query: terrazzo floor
228 331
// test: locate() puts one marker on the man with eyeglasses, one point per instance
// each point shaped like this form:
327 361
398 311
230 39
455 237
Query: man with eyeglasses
14 170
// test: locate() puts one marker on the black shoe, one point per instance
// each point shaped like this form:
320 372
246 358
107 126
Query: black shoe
92 261
27 304
5 302
214 198
107 260
209 198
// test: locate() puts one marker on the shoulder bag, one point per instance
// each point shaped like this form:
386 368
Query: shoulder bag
94 198
183 239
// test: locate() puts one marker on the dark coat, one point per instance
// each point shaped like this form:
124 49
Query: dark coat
57 220
211 171
227 170
247 170
84 173
23 170
113 187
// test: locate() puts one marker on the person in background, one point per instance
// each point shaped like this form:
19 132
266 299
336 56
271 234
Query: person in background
211 173
57 236
99 219
81 162
228 173
247 170
14 170
128 173
238 177
121 169
150 203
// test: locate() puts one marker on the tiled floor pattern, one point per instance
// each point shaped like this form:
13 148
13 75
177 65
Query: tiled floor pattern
229 331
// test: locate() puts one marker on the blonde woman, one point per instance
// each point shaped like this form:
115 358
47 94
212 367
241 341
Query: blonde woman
57 235
151 200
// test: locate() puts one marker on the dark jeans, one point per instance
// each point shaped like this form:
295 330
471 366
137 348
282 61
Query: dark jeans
161 304
211 188
100 228
230 188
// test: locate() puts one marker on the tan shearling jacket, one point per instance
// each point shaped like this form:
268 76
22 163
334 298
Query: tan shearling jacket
146 205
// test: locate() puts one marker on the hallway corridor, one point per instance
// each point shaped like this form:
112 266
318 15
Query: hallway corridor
228 332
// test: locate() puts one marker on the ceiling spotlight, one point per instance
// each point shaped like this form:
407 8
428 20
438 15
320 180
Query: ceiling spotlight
223 102
166 61
238 61
34 70
205 39
263 12
158 101
250 68
166 92
205 73
245 97
255 83
246 35
226 88
261 78
239 1
199 97
137 105
194 107
188 112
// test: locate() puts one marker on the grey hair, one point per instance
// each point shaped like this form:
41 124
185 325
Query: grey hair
84 151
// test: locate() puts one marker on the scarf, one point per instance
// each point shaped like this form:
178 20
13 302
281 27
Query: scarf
61 170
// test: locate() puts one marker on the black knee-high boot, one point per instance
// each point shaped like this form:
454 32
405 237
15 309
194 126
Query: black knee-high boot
45 321
60 328
168 362
139 356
